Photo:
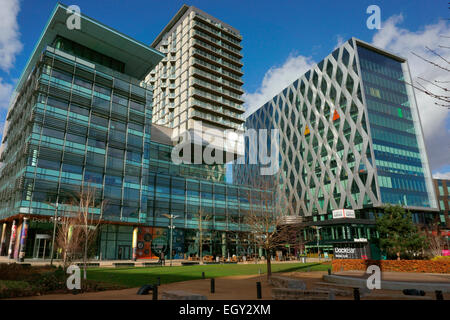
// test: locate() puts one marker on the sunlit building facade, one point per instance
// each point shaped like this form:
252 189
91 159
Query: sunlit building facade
81 115
350 138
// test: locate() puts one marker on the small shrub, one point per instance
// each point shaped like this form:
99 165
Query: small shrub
437 258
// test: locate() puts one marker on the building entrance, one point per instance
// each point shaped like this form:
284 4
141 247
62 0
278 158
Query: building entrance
42 246
123 253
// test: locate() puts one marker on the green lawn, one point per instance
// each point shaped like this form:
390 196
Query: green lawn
138 276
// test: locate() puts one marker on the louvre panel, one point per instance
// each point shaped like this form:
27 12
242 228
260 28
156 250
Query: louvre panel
80 99
104 81
59 93
137 117
75 128
62 65
84 73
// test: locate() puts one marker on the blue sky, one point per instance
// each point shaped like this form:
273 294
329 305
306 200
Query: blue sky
280 37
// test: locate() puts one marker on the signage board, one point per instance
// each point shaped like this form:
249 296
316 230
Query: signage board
352 251
343 213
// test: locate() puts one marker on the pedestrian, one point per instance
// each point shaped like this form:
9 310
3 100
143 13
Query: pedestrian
163 260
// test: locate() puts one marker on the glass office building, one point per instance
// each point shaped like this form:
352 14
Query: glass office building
350 138
442 188
81 114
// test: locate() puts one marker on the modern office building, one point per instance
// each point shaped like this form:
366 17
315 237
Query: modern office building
442 188
82 114
350 138
200 79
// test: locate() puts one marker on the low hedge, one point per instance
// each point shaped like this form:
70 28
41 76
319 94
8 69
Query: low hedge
425 266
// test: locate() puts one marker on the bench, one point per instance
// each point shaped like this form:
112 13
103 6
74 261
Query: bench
189 263
89 264
149 264
284 282
182 295
123 264
298 294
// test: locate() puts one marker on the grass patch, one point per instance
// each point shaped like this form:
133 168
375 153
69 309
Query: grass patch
136 277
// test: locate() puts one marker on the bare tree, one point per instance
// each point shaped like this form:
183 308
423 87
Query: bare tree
85 205
202 218
434 240
265 220
439 89
68 237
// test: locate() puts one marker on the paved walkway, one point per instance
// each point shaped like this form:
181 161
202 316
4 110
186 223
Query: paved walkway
229 288
401 276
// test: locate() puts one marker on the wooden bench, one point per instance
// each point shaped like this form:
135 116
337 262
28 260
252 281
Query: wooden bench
285 282
182 295
124 264
149 264
89 264
298 294
189 263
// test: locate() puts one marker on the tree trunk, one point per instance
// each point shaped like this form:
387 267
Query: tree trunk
201 247
85 256
269 266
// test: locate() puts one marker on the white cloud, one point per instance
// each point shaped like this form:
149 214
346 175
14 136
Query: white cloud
404 42
276 79
10 44
444 176
6 90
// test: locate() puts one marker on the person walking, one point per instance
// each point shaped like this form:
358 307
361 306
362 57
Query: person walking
163 260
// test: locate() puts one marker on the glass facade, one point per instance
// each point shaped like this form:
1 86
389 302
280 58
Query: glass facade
350 137
395 133
442 188
86 127
77 123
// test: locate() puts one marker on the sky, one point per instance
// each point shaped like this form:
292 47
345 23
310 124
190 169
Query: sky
281 40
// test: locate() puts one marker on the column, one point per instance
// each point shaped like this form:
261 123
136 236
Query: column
12 240
134 243
3 240
224 244
23 239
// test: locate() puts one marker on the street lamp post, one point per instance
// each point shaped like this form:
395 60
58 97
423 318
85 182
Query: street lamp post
54 232
171 227
318 237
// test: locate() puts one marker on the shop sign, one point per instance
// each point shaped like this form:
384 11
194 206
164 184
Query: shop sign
343 213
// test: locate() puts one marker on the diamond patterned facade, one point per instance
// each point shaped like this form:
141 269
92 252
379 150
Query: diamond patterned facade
329 157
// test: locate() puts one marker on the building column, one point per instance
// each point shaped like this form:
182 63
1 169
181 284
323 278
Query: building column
12 240
224 244
134 243
3 240
23 239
